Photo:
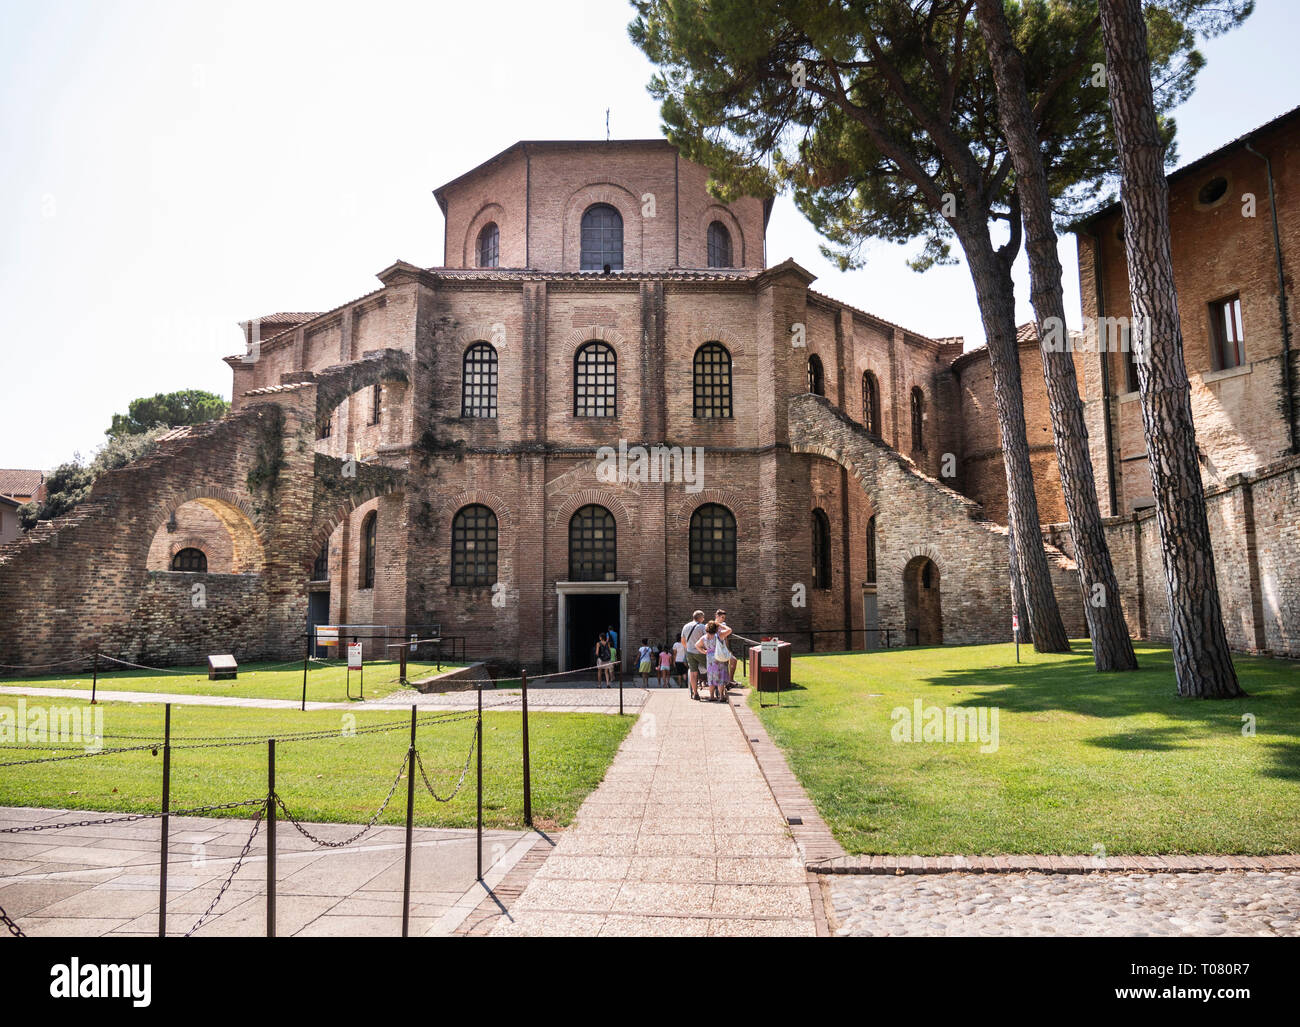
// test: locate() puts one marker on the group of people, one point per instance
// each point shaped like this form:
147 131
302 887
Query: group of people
700 658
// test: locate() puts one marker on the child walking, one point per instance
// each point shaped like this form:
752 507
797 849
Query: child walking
645 659
665 666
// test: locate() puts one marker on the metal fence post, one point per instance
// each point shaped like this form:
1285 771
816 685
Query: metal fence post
410 812
306 657
479 747
270 837
620 684
528 777
94 681
166 807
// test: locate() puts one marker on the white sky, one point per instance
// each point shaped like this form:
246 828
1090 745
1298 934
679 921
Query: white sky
169 169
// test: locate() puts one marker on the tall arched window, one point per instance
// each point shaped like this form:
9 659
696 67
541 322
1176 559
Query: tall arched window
593 545
602 239
918 421
870 403
816 379
595 381
719 245
821 549
478 381
489 240
712 381
871 550
474 546
190 559
713 547
368 549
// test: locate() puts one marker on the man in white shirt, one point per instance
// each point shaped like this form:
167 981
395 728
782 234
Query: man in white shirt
693 630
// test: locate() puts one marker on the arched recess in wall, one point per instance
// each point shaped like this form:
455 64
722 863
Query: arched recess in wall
218 527
717 212
628 205
491 213
922 602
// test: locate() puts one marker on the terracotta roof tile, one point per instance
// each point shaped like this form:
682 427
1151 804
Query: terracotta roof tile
20 482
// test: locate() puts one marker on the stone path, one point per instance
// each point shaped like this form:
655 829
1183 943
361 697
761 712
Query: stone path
567 699
103 881
1210 903
683 837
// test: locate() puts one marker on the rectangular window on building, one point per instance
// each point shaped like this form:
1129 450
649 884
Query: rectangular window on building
376 404
1228 342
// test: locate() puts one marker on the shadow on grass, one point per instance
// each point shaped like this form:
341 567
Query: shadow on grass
1072 685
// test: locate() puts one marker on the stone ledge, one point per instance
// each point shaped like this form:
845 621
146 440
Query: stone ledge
1021 864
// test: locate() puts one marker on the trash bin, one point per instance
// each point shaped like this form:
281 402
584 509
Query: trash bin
770 679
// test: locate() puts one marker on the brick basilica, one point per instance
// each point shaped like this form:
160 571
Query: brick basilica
437 452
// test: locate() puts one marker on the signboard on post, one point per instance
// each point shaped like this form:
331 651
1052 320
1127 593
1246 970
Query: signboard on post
354 656
413 638
327 634
769 658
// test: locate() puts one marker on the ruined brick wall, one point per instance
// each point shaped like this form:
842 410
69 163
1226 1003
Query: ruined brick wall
1217 252
1255 528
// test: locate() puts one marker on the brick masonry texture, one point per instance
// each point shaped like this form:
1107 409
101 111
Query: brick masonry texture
356 411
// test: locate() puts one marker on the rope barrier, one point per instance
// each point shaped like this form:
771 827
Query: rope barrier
131 817
364 830
257 823
37 666
80 755
463 771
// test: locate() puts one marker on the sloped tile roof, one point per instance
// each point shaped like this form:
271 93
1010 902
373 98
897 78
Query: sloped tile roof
20 482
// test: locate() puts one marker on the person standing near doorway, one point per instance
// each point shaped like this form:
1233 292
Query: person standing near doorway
692 632
724 630
604 665
645 662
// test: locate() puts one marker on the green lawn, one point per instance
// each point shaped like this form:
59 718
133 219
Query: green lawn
1084 759
326 682
339 779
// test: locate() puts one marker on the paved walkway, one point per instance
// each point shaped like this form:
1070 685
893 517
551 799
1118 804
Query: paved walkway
683 837
546 699
1211 903
103 881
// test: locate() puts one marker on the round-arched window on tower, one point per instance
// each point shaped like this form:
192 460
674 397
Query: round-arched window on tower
816 377
602 239
593 545
489 243
719 245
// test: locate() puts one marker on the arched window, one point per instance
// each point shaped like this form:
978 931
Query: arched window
376 403
719 245
602 239
320 570
821 549
478 381
489 239
871 550
474 546
713 547
595 381
918 421
816 379
368 550
712 381
593 545
190 559
870 403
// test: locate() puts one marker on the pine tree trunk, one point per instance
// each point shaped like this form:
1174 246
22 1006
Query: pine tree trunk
1112 648
1202 661
1018 594
996 295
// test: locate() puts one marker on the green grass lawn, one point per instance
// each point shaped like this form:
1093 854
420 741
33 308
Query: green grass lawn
338 779
326 682
1084 759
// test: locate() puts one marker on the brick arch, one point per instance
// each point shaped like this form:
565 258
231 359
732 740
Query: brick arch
622 199
236 514
698 333
479 331
717 212
923 550
692 502
446 508
337 383
595 333
334 516
488 212
563 513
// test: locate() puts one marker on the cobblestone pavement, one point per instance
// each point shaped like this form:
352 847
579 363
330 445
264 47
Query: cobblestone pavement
1172 904
682 838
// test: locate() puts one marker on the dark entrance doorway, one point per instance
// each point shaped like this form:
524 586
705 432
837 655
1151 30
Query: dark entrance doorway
318 612
586 616
922 601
